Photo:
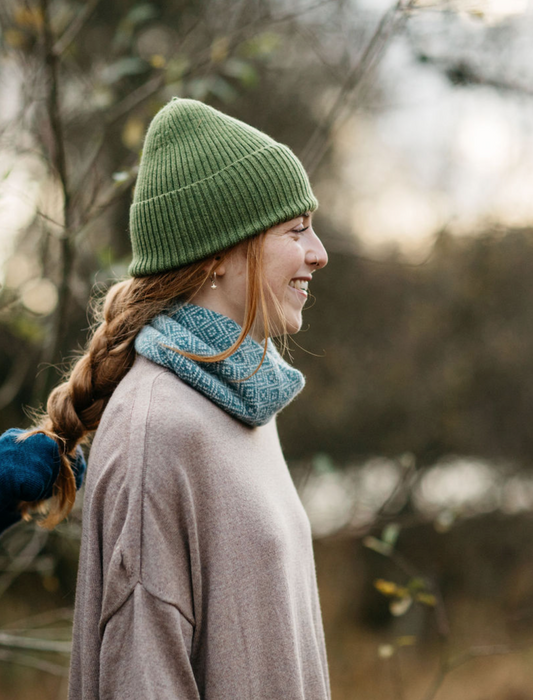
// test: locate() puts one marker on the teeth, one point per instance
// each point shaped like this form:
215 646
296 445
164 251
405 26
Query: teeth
299 284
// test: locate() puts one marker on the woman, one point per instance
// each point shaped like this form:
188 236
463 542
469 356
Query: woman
196 576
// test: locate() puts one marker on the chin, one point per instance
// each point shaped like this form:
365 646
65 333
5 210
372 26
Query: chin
293 325
290 327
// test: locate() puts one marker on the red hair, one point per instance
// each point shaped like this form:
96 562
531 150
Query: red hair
75 407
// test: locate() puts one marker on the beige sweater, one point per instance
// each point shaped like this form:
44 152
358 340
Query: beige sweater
197 577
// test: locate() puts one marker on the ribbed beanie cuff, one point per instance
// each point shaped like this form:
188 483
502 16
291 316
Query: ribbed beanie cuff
206 182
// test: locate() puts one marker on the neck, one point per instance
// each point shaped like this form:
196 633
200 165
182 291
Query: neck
221 304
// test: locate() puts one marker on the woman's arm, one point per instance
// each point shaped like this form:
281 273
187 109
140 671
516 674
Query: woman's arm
145 652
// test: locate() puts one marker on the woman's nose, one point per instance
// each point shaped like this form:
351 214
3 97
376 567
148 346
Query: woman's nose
316 256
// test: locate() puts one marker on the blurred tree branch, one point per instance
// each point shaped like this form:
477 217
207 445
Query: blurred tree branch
33 662
16 378
452 662
75 27
22 559
39 620
382 35
58 161
19 642
420 581
464 75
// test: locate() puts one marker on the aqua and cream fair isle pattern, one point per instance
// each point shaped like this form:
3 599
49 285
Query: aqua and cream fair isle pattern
254 400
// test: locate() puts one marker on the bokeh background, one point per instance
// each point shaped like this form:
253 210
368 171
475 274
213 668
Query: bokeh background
412 445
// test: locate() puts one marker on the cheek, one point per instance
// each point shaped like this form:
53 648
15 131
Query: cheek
282 261
236 274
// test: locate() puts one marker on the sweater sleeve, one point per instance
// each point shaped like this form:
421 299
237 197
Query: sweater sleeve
145 653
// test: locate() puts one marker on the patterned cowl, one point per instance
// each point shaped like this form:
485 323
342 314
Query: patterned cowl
255 399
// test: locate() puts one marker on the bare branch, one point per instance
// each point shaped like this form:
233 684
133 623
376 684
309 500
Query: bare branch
32 662
59 163
45 217
480 652
40 620
296 15
387 26
18 642
151 87
24 559
51 62
450 664
462 74
135 98
314 43
396 677
74 28
16 377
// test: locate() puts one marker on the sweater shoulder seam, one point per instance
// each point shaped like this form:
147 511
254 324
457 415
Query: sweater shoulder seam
143 475
104 622
164 600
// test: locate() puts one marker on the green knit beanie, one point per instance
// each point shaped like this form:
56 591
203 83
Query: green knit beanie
207 181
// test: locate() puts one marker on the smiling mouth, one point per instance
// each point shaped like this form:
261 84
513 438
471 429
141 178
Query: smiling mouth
300 285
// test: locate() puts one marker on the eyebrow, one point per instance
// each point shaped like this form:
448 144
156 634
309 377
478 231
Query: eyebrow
304 215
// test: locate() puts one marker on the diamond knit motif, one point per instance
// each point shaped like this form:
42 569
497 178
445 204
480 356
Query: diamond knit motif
254 400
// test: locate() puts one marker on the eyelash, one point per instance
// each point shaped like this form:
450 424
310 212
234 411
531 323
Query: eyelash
300 230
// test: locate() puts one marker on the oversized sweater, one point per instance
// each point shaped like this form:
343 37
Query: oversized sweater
197 577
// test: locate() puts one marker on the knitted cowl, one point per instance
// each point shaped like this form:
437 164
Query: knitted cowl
254 400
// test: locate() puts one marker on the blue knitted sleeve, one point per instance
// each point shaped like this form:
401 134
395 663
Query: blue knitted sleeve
28 471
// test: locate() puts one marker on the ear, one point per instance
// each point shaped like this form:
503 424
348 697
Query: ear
213 265
220 268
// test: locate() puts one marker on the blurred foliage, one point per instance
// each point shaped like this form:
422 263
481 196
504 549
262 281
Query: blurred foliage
430 359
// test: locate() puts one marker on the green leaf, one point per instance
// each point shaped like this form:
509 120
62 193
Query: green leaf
322 463
260 46
199 88
123 67
390 534
105 256
175 68
7 173
242 70
141 13
445 520
426 599
377 546
417 584
407 640
223 90
26 328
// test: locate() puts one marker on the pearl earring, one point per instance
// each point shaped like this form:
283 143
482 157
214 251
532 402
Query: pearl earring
214 280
